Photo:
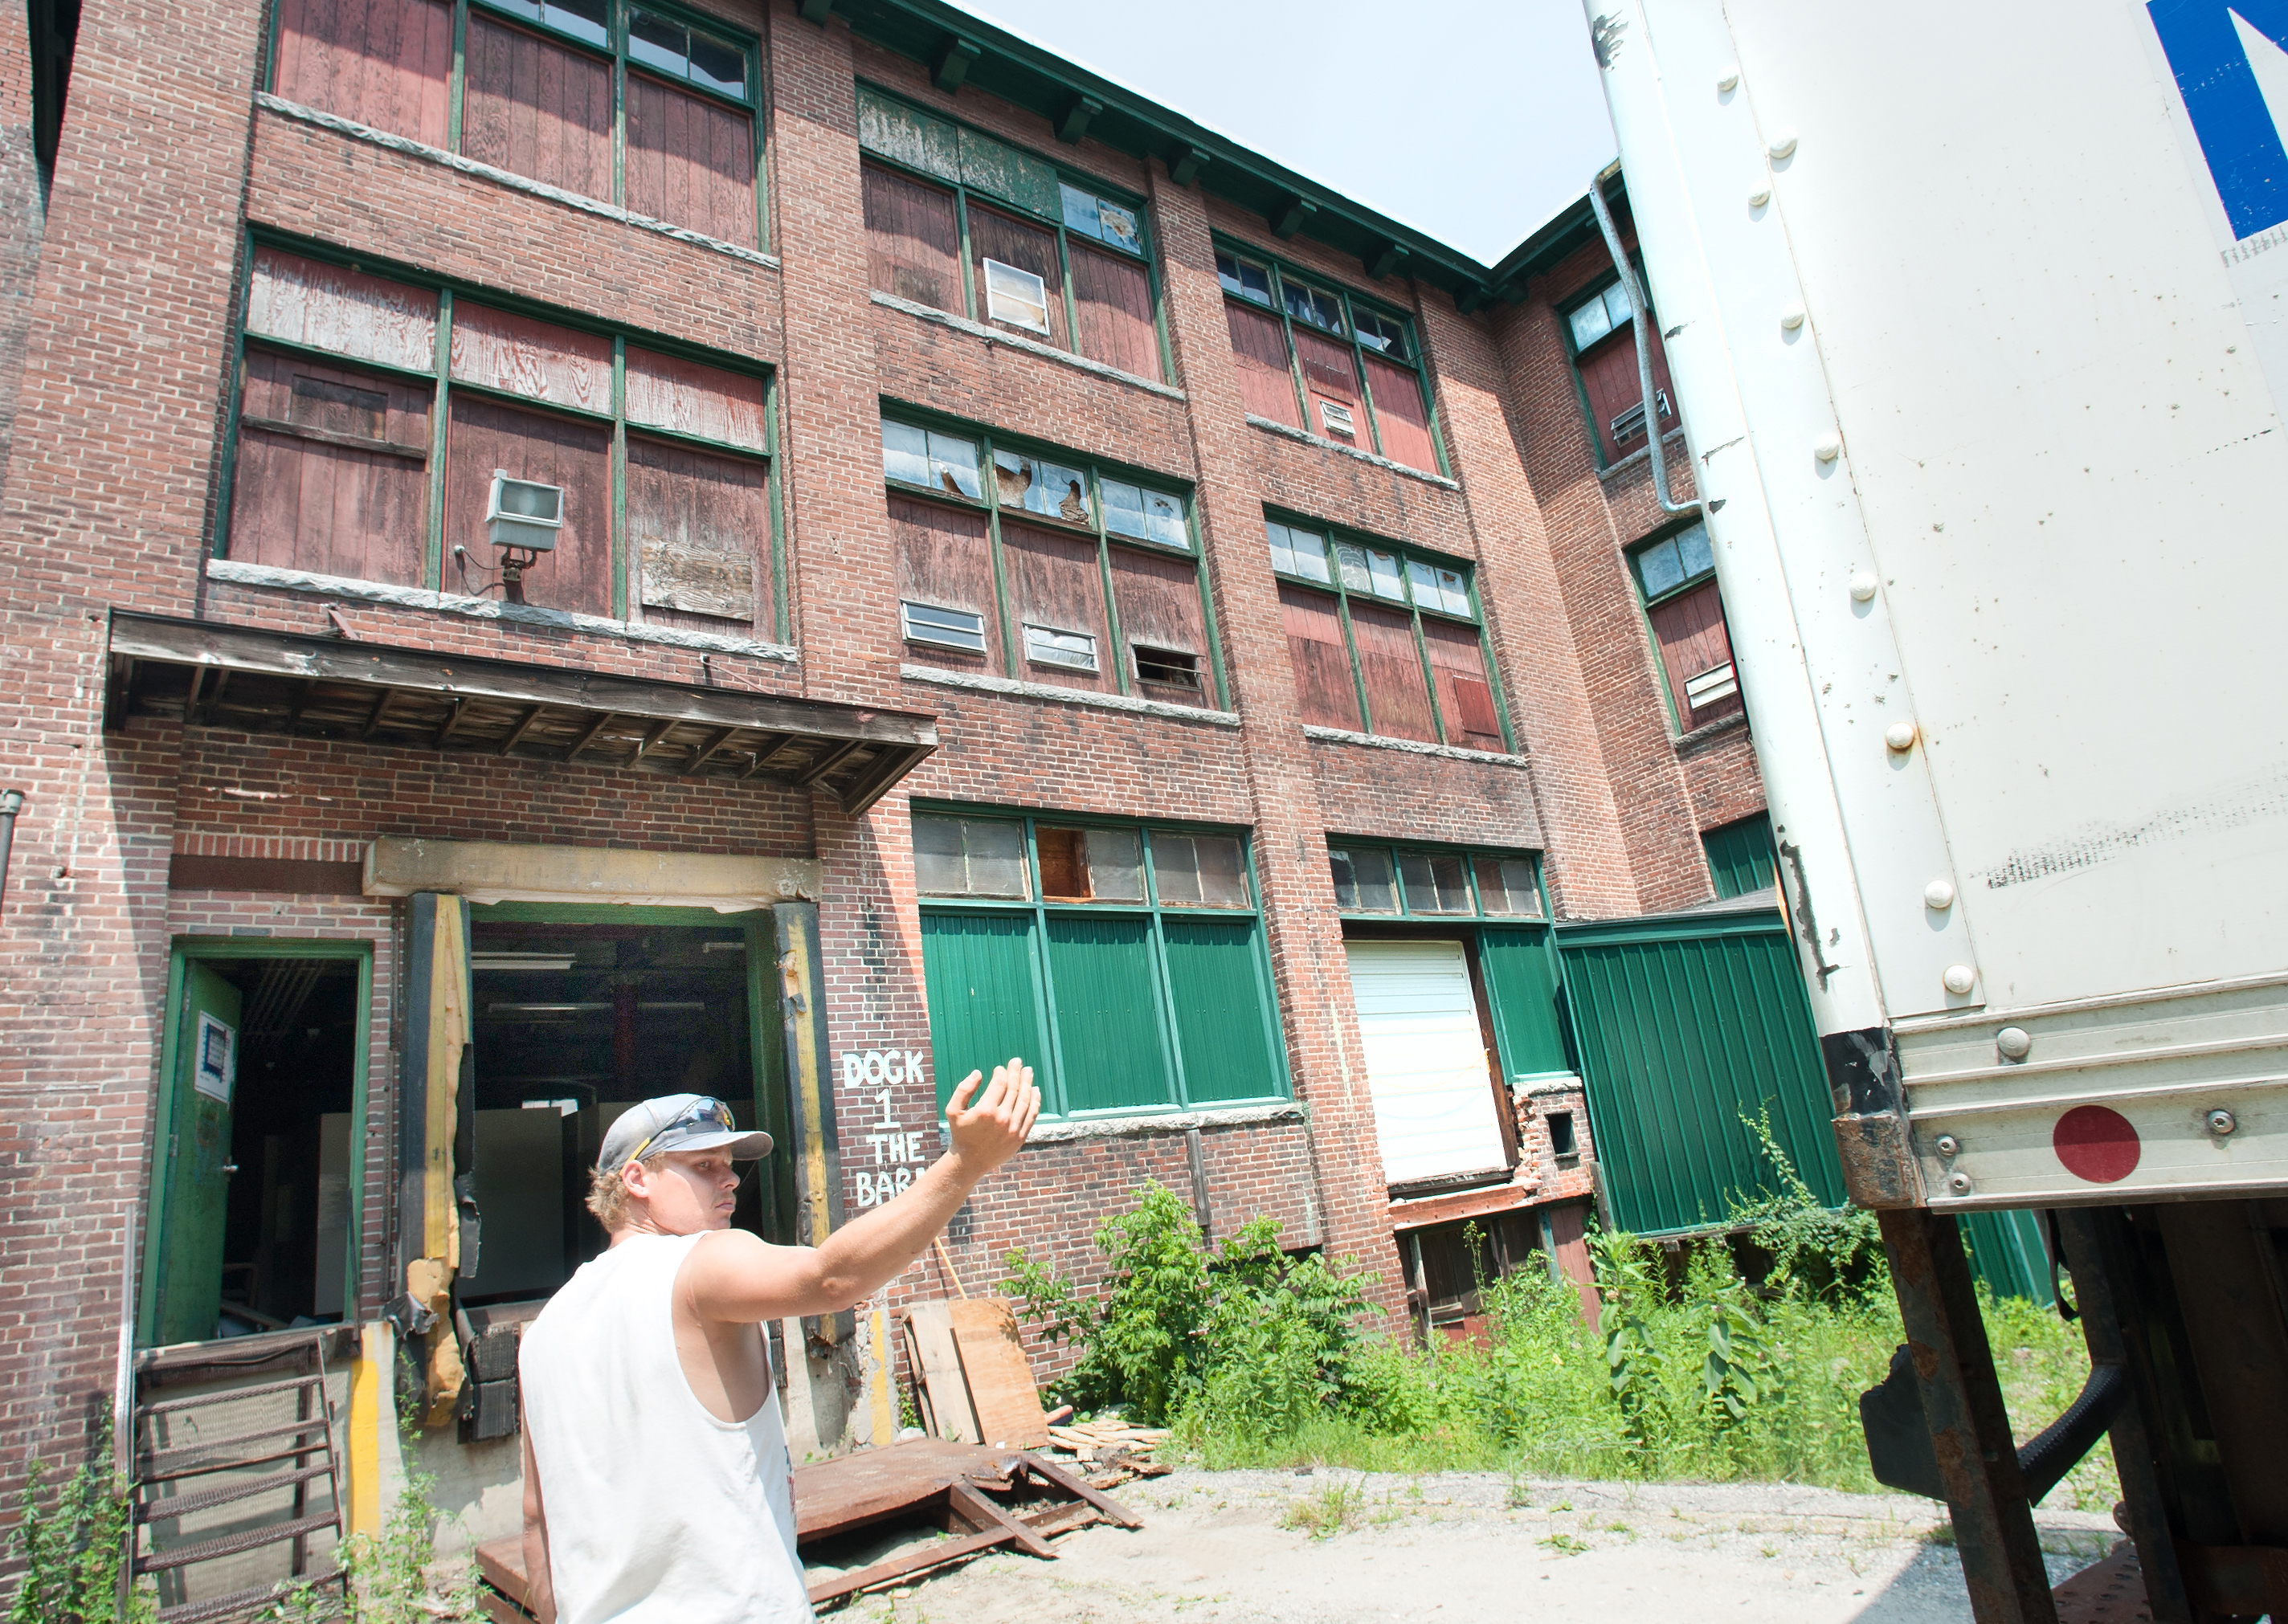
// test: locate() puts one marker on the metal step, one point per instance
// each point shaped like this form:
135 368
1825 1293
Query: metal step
229 1395
231 1544
242 1602
182 1505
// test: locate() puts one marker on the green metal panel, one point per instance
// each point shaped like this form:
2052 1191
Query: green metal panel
1222 1010
1113 1052
1014 177
984 1004
1522 989
188 1267
1740 856
908 134
2008 1252
1683 1027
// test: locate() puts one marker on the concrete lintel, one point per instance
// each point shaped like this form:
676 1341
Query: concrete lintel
993 335
1011 688
496 871
1172 1122
1309 439
1412 746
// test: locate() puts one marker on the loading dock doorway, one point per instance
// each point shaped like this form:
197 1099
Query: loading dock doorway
252 1223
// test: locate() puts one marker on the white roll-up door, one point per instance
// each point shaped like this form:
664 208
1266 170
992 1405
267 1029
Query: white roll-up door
1425 1060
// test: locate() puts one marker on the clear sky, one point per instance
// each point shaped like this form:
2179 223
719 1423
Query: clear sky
1474 120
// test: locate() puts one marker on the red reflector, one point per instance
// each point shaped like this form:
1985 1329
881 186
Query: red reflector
2097 1144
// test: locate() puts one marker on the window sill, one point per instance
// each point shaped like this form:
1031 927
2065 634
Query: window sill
1168 1122
993 335
412 149
1534 1085
1687 743
983 683
1415 747
1643 453
1321 442
486 609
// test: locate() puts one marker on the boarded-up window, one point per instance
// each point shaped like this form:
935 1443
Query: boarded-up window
1610 378
1009 242
1466 700
690 161
536 359
385 63
1258 348
945 561
1400 416
698 534
1324 689
333 472
913 246
538 108
686 397
1054 585
326 307
1695 654
1114 298
1330 382
484 435
1397 700
1159 604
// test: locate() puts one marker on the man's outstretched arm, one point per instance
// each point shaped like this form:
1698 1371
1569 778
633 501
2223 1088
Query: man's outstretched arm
735 1278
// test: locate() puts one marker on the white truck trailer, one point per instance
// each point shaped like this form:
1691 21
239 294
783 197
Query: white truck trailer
1978 319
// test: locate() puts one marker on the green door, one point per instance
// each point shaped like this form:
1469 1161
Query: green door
197 1183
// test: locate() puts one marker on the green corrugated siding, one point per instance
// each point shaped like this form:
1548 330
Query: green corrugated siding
1522 989
1100 974
1682 1028
2008 1252
978 968
1222 1010
1740 856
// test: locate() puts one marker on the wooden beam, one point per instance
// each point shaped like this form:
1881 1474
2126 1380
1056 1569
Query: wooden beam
984 1516
1291 216
380 710
191 698
523 726
452 721
953 62
767 751
658 731
215 693
1074 124
212 644
713 742
1186 165
870 785
294 709
588 738
826 763
117 693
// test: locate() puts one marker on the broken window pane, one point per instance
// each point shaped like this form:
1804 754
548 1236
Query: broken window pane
1363 882
1692 552
1381 333
1171 667
1199 870
1124 508
1119 226
1438 589
1016 297
1350 559
1382 577
961 857
1023 482
905 452
953 465
1240 276
1080 212
1505 886
1164 519
1434 883
1090 864
1317 309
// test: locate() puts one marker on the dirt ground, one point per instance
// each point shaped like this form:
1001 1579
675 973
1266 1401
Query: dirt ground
1237 1548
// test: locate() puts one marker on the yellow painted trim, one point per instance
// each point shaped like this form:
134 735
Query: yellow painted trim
375 1350
448 1035
800 989
885 1417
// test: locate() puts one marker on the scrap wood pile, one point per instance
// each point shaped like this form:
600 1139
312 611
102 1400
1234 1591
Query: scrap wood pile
1112 1449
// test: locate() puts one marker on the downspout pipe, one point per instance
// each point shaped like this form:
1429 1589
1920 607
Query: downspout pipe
11 802
1637 324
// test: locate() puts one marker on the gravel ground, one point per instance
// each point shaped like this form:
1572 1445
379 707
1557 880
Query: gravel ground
1236 1547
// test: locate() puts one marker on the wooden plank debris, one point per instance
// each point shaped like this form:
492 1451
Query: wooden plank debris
1001 1390
940 1388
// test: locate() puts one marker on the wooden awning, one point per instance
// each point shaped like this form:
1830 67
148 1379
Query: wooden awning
215 675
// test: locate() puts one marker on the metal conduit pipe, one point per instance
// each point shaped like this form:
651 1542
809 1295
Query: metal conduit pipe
11 802
1637 318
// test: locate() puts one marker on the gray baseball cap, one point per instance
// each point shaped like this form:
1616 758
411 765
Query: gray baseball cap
677 1123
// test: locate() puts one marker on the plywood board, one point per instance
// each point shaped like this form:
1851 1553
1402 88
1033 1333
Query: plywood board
937 1367
1001 1388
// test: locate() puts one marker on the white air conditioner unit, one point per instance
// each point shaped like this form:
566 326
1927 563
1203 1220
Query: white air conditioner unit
523 513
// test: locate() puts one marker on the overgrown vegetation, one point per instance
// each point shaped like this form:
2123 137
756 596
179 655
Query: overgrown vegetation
1260 1359
72 1542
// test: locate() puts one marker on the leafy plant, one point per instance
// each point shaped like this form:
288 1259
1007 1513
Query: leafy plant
1832 1254
73 1545
1633 1360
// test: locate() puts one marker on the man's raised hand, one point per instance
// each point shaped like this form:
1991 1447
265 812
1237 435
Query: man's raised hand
987 1133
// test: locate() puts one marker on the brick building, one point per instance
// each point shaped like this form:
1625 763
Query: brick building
563 549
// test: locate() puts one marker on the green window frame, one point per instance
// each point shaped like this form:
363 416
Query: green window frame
1499 902
1418 575
925 145
1665 569
629 36
1601 311
1128 1003
977 452
1742 856
1365 326
439 378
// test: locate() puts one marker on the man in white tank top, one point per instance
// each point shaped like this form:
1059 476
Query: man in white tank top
656 1484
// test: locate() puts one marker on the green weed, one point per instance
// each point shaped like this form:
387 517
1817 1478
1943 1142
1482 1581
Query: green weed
72 1544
